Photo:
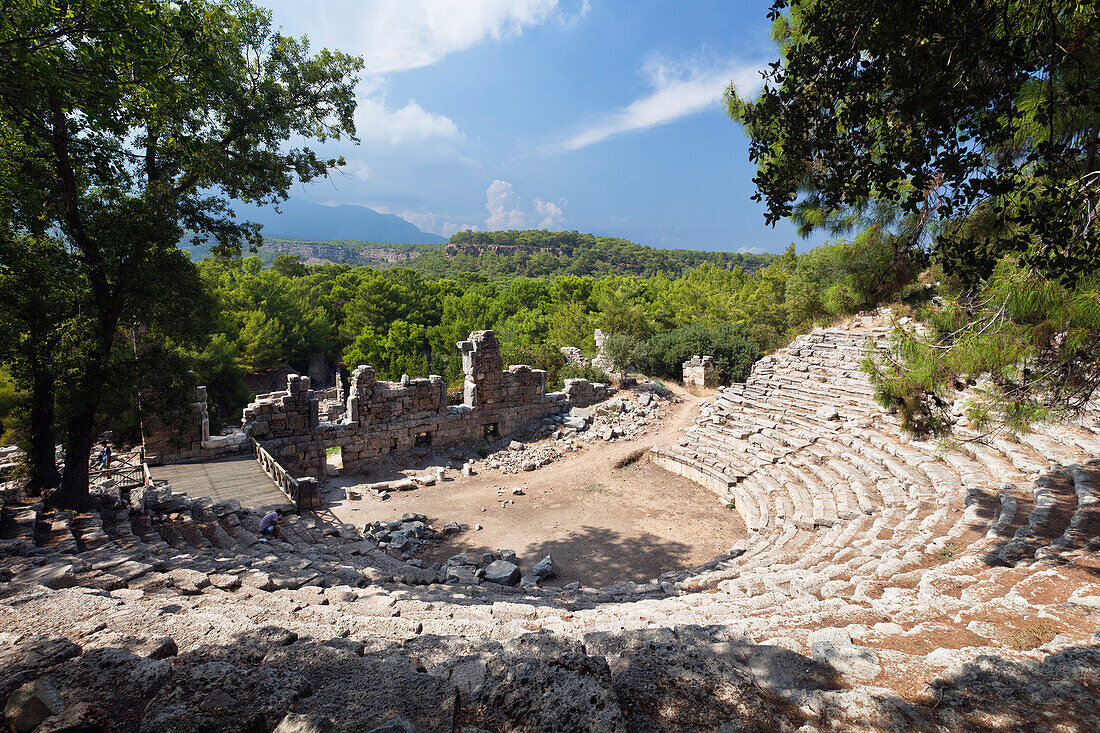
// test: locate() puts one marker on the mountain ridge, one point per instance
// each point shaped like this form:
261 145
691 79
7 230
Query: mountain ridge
300 219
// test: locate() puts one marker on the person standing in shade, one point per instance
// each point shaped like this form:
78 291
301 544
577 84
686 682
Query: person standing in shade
105 458
270 523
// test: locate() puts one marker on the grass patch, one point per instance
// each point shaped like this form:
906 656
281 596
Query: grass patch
948 550
1032 636
593 489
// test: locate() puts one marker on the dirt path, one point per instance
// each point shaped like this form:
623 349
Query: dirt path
602 524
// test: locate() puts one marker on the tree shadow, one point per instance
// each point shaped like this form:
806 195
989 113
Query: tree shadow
678 678
592 556
1069 521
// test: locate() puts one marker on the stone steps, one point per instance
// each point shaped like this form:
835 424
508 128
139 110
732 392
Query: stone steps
933 561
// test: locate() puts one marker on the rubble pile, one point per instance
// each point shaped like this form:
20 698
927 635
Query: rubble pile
404 537
627 415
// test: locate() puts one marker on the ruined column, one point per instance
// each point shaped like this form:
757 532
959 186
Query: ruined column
484 369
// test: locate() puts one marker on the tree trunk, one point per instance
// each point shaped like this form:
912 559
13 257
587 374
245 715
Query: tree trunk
86 395
73 493
43 463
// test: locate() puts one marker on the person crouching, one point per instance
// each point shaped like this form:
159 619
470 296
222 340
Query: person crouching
269 525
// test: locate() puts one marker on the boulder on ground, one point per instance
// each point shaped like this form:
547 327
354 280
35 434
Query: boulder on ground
502 572
544 568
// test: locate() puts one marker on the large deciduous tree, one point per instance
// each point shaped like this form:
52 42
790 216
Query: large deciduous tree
124 123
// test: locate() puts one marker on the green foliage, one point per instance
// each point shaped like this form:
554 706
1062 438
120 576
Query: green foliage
624 352
12 410
589 372
289 266
530 254
540 253
401 322
734 351
122 125
1029 346
973 124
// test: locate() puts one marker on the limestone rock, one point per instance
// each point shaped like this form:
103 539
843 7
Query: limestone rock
295 723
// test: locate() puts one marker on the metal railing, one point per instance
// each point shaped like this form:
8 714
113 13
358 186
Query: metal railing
302 492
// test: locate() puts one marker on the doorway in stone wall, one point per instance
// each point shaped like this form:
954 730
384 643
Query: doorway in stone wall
334 461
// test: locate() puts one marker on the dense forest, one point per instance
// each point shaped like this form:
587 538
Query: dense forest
540 253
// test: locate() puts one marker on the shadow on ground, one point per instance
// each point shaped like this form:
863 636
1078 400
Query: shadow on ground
686 678
594 556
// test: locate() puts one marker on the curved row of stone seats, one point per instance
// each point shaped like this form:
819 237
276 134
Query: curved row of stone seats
901 508
939 569
782 605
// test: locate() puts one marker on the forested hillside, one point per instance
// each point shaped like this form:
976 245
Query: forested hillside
540 253
529 253
402 322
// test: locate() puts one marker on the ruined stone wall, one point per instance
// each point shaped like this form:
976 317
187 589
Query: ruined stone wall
167 441
384 418
573 355
699 371
582 393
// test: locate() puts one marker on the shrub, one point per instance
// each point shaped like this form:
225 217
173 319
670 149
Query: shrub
734 351
589 372
625 352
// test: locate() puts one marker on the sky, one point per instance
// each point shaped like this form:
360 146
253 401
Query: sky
600 116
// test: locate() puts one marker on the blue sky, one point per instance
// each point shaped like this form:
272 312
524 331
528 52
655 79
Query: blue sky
594 115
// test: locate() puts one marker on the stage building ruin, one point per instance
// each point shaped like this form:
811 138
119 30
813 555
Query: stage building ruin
383 418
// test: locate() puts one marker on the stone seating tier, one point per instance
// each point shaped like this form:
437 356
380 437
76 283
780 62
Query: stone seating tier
885 585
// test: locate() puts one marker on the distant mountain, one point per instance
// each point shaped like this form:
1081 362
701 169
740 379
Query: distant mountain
306 220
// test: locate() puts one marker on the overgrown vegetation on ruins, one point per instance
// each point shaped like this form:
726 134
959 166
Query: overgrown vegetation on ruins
401 322
965 133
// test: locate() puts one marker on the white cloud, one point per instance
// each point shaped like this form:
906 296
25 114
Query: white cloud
396 35
678 90
503 206
506 210
751 250
426 221
450 228
408 34
551 213
376 123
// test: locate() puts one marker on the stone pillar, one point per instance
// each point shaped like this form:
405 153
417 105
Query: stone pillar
600 360
359 394
484 369
699 371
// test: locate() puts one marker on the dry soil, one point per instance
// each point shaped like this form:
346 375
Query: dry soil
602 524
